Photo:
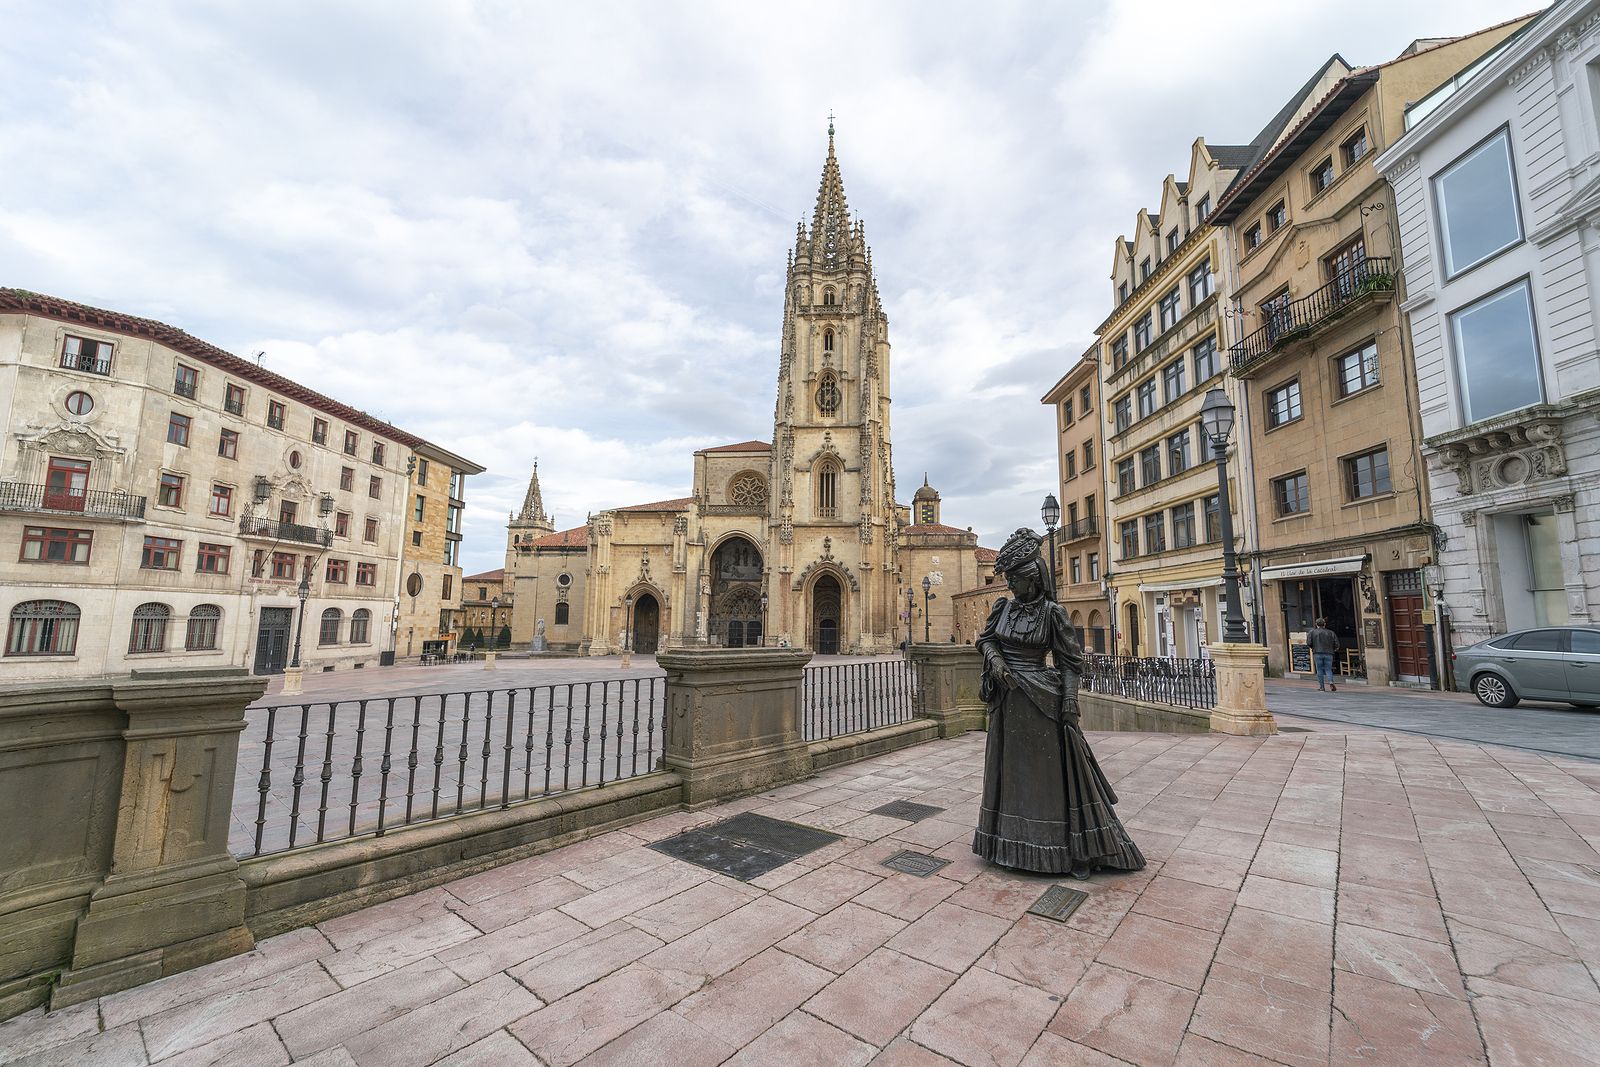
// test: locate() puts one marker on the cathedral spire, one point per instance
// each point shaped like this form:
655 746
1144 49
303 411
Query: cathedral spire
830 224
533 504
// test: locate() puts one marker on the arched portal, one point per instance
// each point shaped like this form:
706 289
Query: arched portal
646 623
827 603
735 617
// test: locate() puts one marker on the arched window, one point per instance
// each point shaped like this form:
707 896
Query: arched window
360 626
828 299
149 633
43 628
827 393
563 612
827 491
328 632
204 620
827 339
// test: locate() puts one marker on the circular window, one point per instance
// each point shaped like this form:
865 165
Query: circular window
294 459
563 580
80 403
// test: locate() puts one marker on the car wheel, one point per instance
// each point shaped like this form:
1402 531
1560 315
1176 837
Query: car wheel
1494 691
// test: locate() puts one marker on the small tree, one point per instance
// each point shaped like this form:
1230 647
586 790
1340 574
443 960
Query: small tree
472 638
504 638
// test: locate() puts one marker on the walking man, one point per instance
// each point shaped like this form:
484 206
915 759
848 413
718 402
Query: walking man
1324 644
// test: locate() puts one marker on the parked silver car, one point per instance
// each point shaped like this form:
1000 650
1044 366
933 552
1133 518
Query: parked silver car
1559 663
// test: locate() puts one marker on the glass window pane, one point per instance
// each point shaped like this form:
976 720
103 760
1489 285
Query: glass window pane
1586 642
1478 206
1539 641
1496 353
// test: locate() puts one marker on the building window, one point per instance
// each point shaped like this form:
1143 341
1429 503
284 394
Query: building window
378 452
1321 176
828 395
347 479
1076 569
375 487
1358 370
1066 412
360 626
1069 468
1144 269
161 554
1497 353
66 486
1205 360
422 471
221 501
1147 398
1202 283
1212 508
283 565
827 339
1283 404
448 584
228 444
276 414
1141 333
1291 494
1122 292
186 381
44 544
1202 210
1170 308
1088 455
1172 240
170 493
1477 200
828 491
1277 216
1172 381
319 431
43 628
201 633
1252 238
1178 452
1094 566
1125 477
370 533
341 524
1119 352
149 631
79 403
1150 465
1128 535
366 574
1354 150
1085 400
233 399
178 429
1122 413
1155 533
418 509
416 538
338 571
80 353
350 441
288 512
563 613
328 630
212 559
829 298
1183 526
1367 474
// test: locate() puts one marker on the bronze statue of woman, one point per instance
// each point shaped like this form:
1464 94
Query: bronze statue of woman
1047 806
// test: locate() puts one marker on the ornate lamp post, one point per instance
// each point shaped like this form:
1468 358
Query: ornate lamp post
1050 512
494 620
763 620
1216 416
627 631
909 603
927 595
303 592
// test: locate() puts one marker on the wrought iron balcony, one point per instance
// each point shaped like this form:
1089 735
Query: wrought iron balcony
252 526
85 362
1080 530
1363 282
55 500
183 388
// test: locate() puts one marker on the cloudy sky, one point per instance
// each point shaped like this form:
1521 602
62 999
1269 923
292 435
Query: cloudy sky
558 230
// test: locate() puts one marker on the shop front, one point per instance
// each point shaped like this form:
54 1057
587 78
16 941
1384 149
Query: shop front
1328 589
1183 617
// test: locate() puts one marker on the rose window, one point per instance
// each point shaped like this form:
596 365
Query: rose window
749 490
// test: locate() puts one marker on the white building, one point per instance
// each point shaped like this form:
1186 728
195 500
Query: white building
1497 193
161 502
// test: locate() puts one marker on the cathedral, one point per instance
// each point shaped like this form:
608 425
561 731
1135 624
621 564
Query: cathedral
795 541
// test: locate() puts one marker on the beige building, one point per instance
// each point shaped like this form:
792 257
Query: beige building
950 559
1344 526
430 569
168 501
1080 539
485 604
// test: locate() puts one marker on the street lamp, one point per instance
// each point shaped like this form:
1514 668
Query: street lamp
1050 512
927 595
763 620
304 592
1216 418
909 603
494 620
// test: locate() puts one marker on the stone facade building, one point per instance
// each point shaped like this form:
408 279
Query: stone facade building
1496 180
1080 540
168 500
486 604
1321 369
430 568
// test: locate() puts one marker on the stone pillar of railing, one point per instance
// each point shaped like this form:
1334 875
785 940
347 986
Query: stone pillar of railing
733 719
948 677
1241 691
173 898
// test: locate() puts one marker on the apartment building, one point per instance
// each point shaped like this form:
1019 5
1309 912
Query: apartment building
1321 366
170 503
1080 540
431 570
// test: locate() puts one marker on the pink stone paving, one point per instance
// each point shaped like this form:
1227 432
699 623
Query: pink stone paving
1339 896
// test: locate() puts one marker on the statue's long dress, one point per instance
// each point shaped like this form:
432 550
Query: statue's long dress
1046 802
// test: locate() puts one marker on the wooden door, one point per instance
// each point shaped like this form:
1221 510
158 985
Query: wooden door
1408 635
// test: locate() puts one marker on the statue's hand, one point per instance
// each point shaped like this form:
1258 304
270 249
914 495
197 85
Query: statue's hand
1007 679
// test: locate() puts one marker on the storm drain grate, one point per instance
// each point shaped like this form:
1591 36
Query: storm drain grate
917 863
906 809
745 846
1058 903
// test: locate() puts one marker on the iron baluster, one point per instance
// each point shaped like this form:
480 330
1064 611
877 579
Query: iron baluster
438 760
327 772
461 750
650 727
636 682
588 700
411 758
488 730
299 773
527 745
383 783
566 759
355 766
265 782
605 701
505 774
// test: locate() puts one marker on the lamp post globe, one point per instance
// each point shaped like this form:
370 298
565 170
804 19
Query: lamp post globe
1216 418
1050 512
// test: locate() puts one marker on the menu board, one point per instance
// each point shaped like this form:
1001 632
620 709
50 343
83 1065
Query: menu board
1300 659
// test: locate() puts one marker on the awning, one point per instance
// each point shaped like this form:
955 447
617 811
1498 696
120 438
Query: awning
1173 587
1316 568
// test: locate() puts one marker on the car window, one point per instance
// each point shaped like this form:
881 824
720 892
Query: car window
1539 641
1585 641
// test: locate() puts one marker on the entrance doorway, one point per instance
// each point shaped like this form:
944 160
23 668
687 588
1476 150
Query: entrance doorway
272 640
1132 629
646 624
1305 600
826 600
736 593
1407 635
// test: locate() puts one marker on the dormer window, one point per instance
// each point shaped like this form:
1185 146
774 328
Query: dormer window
1144 268
1172 241
1202 210
1122 292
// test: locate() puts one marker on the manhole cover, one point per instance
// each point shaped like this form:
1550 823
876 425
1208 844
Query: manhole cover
916 863
745 846
905 809
1058 903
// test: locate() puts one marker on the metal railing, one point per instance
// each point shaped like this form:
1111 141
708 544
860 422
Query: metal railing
183 388
22 496
305 769
252 526
849 698
1076 531
85 363
1299 318
1182 683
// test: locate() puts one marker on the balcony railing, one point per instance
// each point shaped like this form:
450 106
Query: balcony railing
251 526
85 363
183 388
91 503
1301 318
1082 528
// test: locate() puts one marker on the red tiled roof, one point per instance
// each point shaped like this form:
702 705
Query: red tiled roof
986 555
742 446
576 537
934 527
681 503
24 302
497 575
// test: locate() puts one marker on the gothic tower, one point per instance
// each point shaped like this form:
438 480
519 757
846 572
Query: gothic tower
523 528
832 514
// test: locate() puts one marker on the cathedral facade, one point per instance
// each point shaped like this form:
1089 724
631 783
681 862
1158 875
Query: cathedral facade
795 541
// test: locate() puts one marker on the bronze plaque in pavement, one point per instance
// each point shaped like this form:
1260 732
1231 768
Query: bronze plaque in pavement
1058 903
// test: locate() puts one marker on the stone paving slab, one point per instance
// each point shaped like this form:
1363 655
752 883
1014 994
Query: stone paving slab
1338 895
